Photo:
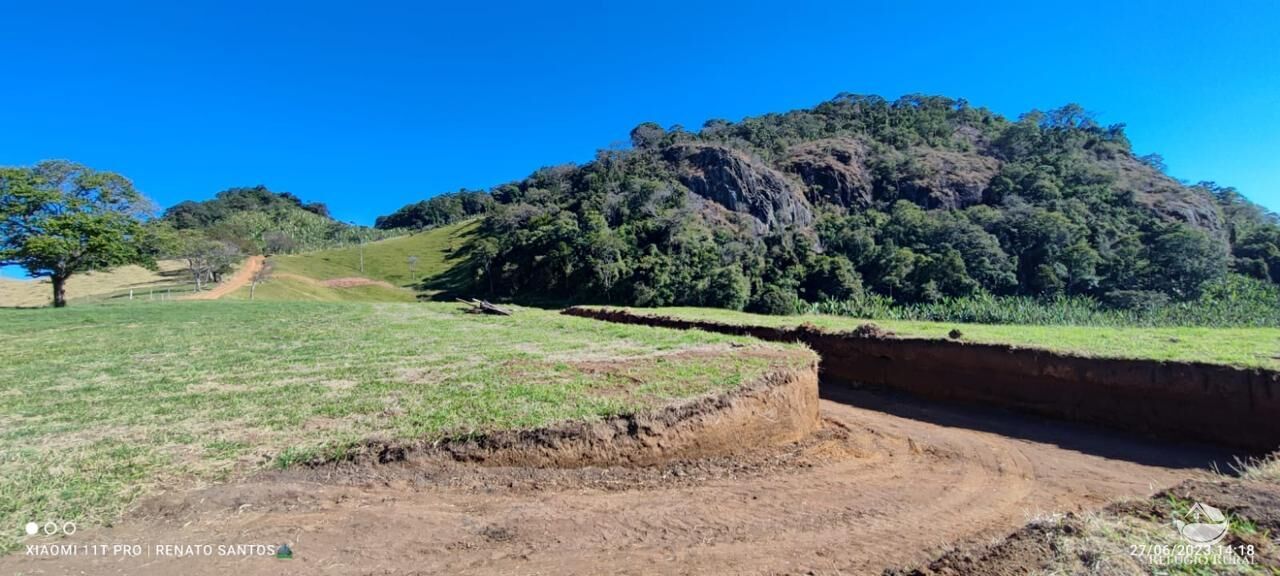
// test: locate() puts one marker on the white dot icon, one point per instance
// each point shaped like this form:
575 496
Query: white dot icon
32 528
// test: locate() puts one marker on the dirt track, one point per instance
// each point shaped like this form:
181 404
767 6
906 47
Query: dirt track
888 482
242 277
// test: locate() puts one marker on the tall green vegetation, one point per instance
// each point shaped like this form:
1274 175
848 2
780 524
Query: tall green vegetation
925 200
257 220
1232 301
437 211
59 218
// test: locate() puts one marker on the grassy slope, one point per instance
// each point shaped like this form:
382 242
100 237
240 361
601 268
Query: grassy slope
97 403
1246 347
94 286
301 276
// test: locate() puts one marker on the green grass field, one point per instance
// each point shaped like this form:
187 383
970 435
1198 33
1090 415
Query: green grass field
98 404
1244 347
304 276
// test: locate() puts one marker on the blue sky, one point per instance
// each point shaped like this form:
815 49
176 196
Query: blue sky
368 106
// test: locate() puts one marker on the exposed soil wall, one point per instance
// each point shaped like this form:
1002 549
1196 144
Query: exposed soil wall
778 408
1174 400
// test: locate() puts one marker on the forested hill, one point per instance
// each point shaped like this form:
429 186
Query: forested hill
256 220
916 199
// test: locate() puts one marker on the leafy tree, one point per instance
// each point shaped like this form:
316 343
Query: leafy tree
277 242
775 299
830 278
647 135
1184 259
729 288
438 211
59 218
207 259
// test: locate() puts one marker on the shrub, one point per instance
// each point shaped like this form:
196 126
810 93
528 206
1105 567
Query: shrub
776 300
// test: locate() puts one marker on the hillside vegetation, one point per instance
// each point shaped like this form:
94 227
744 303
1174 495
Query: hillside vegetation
272 383
916 200
258 221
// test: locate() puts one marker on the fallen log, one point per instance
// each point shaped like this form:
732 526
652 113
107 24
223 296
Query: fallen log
484 307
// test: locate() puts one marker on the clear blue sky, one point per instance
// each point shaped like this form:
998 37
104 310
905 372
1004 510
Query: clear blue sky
368 106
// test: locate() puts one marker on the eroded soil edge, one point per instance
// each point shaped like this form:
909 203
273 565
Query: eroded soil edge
777 408
1170 400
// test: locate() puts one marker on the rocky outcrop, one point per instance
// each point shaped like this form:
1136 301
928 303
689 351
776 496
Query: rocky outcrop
948 179
833 170
1168 198
740 183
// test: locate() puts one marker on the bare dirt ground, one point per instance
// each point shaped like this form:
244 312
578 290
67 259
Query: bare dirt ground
238 280
887 482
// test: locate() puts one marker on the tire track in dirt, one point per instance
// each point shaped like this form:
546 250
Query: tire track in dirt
888 482
242 277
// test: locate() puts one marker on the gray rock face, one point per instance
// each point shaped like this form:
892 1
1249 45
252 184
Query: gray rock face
1168 198
833 170
949 179
740 183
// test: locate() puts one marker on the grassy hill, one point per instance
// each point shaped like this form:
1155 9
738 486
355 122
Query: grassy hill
169 276
336 275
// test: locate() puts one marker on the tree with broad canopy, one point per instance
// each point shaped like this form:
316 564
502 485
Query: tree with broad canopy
60 218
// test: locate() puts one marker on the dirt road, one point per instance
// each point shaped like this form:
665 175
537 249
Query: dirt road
889 481
241 278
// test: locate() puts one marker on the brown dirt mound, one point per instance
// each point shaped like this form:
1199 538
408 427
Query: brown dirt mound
871 330
1027 551
778 408
1042 547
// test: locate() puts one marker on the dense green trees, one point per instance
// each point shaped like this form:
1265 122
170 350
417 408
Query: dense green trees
257 220
962 203
1254 233
437 211
60 218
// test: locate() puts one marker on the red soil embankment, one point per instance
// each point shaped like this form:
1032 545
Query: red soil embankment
778 408
1174 400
